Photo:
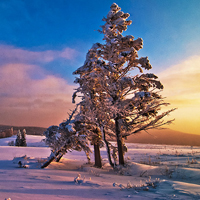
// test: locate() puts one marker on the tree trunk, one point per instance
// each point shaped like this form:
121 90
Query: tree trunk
119 142
59 157
97 155
51 158
108 149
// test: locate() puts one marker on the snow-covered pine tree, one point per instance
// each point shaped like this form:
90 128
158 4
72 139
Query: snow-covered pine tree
23 138
93 134
64 138
18 139
86 125
93 116
132 102
136 100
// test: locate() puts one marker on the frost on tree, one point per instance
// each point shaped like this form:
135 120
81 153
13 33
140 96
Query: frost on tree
109 91
93 120
87 124
18 139
21 138
65 138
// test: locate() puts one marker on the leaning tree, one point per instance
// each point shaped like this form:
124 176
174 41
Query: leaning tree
110 92
65 138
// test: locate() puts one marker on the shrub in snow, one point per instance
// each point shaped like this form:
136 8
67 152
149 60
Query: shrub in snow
11 143
145 187
167 171
123 170
193 161
149 161
94 173
20 165
78 179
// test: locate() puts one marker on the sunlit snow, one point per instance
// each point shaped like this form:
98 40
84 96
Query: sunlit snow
174 170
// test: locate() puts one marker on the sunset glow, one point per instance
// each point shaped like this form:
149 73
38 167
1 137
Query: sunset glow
43 42
182 89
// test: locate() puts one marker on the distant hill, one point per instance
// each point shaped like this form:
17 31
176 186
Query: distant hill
165 136
30 130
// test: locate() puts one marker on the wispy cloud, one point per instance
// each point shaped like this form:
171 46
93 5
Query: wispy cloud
182 81
29 94
16 55
16 80
182 89
25 100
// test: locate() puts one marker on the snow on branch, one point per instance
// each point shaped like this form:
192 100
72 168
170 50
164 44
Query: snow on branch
111 97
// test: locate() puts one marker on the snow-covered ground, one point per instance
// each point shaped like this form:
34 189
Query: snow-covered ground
153 172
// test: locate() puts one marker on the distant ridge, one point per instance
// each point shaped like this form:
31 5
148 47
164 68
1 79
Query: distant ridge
165 136
30 130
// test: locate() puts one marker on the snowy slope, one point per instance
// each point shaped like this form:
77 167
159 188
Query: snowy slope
32 141
179 178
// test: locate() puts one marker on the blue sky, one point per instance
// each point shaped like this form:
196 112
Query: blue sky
46 40
169 28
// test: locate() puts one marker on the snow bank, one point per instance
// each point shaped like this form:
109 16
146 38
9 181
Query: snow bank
32 141
178 178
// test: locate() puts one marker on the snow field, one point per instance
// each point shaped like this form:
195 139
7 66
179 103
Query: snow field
177 177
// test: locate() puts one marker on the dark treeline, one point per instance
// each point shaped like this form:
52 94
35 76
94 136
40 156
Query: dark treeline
5 130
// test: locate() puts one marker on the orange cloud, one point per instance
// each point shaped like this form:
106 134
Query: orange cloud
182 89
28 101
